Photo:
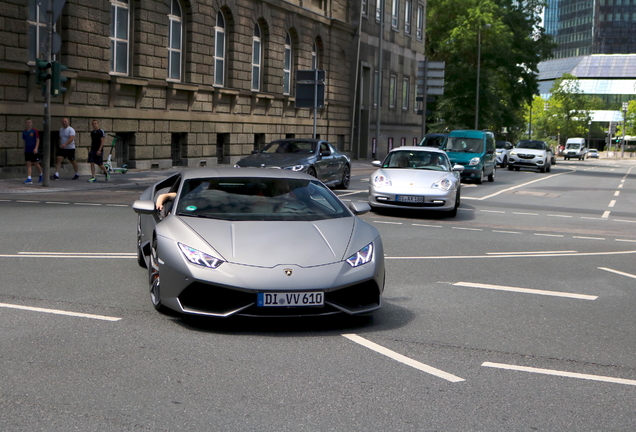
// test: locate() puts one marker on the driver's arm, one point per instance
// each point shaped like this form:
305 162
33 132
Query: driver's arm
161 199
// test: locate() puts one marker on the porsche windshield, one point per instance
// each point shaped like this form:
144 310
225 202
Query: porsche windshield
302 147
417 160
253 199
464 145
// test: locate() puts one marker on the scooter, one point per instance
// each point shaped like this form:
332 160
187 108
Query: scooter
109 163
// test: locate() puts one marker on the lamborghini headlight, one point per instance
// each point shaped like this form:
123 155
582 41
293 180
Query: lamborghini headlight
443 184
381 180
361 257
200 258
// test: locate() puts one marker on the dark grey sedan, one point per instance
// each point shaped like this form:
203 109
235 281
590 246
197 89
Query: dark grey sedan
318 158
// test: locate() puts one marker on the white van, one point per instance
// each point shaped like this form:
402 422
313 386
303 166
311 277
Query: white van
574 148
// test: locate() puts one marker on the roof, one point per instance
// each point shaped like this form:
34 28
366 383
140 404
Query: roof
592 66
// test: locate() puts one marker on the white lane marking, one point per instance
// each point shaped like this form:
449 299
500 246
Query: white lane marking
55 202
5 200
493 211
625 240
59 312
548 235
596 218
80 253
26 201
117 205
612 203
521 185
506 232
617 193
588 238
351 193
465 209
605 214
429 226
617 272
387 222
623 220
526 290
57 255
620 186
560 373
87 204
511 256
528 214
537 252
561 216
468 229
402 359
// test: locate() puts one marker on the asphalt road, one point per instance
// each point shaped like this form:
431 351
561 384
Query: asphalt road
515 315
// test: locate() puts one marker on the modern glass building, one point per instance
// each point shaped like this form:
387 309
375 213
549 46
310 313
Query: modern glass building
584 27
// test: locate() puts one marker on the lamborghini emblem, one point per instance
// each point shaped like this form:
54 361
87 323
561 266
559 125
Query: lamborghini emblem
288 272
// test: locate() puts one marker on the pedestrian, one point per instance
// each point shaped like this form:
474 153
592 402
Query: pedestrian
95 155
31 148
66 150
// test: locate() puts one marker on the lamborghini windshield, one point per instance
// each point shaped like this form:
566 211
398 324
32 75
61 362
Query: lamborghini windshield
254 199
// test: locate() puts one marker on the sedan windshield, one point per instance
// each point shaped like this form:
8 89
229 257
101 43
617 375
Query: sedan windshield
464 145
417 160
302 147
259 199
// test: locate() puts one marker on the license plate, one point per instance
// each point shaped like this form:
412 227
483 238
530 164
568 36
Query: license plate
290 299
409 198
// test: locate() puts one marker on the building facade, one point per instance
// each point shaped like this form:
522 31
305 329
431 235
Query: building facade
202 82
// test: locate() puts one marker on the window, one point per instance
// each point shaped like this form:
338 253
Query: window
420 22
219 50
314 57
378 9
37 29
174 41
395 10
364 7
256 58
405 93
392 91
407 16
119 29
287 65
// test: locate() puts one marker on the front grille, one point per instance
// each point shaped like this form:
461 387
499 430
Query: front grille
526 156
214 299
409 204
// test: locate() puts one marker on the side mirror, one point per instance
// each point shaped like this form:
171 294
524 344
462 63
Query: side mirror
359 207
144 207
255 151
376 163
458 168
325 153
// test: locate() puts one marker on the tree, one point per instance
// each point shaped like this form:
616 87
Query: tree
512 47
569 112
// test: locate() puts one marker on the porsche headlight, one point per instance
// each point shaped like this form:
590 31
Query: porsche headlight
361 257
381 180
443 184
474 161
200 258
297 167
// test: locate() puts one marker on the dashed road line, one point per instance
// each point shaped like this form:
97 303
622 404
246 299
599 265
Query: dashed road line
548 235
59 312
561 216
560 373
612 203
588 238
527 214
402 359
468 229
428 226
506 232
526 290
617 272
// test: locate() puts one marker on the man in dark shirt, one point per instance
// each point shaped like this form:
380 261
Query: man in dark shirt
95 155
31 149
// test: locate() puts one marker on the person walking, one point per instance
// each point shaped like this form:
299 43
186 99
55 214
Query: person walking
31 148
66 150
95 155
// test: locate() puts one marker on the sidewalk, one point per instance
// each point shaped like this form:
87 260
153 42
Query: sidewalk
131 178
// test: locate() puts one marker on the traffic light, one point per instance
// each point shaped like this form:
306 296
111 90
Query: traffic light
42 73
57 79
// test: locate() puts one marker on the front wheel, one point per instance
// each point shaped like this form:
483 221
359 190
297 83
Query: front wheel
141 260
491 177
312 171
504 163
346 178
452 213
480 180
154 278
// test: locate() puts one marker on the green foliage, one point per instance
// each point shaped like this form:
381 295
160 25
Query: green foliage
511 48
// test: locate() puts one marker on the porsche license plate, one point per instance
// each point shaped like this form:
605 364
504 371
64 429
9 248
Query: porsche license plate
410 198
290 299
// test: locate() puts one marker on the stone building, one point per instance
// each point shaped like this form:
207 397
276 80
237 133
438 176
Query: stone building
205 82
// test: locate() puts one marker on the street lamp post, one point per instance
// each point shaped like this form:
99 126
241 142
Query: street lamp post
589 129
625 104
478 71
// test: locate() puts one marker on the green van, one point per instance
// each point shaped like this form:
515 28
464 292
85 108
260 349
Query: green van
476 151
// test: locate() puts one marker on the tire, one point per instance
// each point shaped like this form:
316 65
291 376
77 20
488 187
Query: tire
549 168
452 213
491 177
480 180
510 167
312 172
542 169
504 163
141 260
154 279
346 178
517 168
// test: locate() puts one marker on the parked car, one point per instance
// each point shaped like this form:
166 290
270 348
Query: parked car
318 158
574 149
531 154
503 152
592 153
416 178
255 242
475 150
433 140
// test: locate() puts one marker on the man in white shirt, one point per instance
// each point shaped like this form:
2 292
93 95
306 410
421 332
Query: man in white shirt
66 150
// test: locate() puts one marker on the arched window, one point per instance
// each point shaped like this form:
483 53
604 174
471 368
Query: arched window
287 65
119 35
314 56
219 50
37 29
257 57
175 41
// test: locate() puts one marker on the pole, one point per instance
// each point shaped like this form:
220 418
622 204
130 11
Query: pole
478 71
46 139
530 127
378 84
424 97
315 99
357 93
624 124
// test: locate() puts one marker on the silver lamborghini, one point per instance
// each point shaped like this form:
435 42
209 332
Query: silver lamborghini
254 242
